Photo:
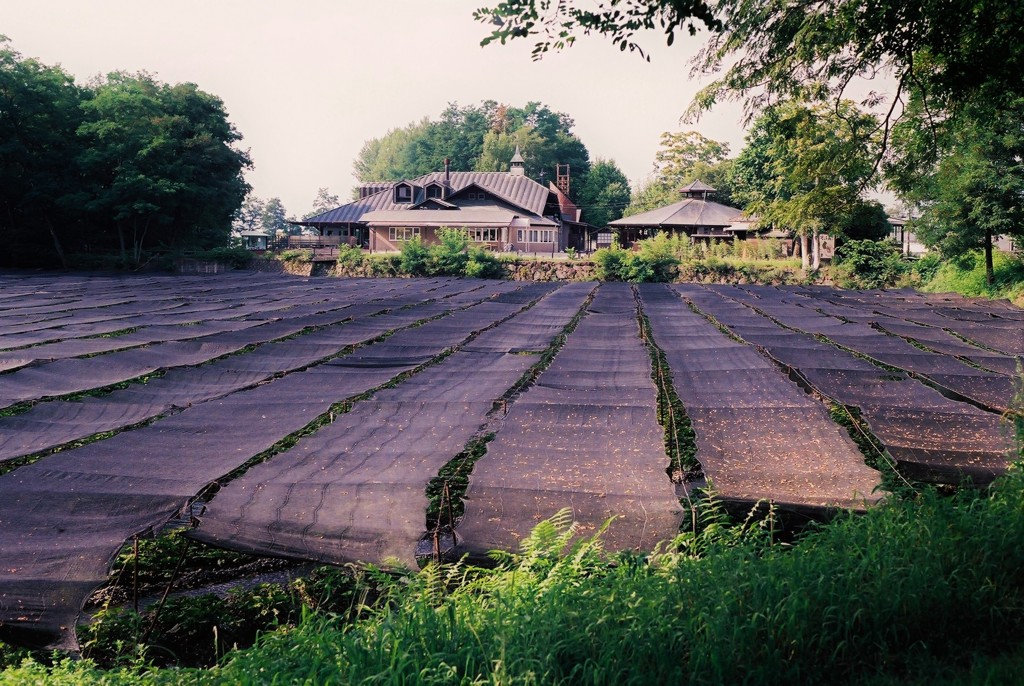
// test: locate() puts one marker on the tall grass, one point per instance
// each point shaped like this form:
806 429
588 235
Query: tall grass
929 580
966 275
910 581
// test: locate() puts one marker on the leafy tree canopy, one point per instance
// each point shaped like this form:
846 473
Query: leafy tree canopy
684 157
604 194
324 202
765 51
803 168
972 192
40 111
122 165
480 138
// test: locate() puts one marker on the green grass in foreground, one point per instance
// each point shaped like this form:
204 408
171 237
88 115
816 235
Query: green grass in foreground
928 589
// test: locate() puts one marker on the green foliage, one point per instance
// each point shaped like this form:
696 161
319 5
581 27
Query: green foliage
865 221
414 257
683 158
483 265
452 255
236 258
868 264
666 257
481 138
925 580
448 257
764 52
296 255
350 256
604 193
274 219
159 163
927 267
803 168
966 276
124 165
617 264
972 191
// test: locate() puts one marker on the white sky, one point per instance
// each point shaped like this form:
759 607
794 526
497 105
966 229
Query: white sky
308 82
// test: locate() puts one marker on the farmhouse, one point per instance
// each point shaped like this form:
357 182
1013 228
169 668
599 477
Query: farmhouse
695 216
500 210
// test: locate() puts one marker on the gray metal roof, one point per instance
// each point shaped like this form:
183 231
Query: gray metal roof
519 191
687 213
697 186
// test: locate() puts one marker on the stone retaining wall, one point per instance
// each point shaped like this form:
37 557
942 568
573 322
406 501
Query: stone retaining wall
551 270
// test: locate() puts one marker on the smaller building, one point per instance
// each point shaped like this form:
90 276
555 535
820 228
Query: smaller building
255 240
696 216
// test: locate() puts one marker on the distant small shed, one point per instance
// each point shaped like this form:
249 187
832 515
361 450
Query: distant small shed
255 240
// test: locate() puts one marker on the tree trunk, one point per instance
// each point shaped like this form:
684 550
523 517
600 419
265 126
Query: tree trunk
815 251
804 261
120 238
990 272
56 244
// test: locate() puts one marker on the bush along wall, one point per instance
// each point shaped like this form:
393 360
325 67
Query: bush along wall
657 259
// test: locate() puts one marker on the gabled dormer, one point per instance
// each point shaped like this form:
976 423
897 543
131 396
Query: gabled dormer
473 193
435 189
404 192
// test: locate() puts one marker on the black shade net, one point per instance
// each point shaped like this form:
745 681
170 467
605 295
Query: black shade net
584 437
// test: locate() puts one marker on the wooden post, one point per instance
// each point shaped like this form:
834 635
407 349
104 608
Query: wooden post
135 573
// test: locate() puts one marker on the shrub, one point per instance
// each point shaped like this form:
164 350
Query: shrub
413 257
296 255
448 257
235 257
868 264
663 255
608 262
483 265
349 256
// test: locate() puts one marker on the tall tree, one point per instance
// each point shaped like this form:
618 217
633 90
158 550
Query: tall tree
682 152
249 215
684 157
480 138
160 163
275 218
804 168
324 202
604 193
39 114
764 51
974 190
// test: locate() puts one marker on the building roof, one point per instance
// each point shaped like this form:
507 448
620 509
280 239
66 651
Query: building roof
697 186
518 191
687 213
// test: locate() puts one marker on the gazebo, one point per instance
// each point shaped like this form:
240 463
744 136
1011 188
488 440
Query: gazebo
695 215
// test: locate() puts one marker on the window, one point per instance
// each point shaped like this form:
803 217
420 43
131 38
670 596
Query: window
403 233
403 193
536 236
433 191
484 235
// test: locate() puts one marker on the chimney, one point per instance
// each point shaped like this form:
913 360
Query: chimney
447 178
